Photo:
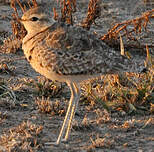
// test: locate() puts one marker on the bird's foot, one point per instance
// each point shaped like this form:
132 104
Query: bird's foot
52 144
65 141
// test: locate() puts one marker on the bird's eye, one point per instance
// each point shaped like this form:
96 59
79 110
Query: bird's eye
34 19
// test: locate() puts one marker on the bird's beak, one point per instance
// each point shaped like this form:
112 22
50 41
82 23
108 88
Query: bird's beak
21 20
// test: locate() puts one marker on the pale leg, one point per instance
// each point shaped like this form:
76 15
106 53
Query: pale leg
68 114
73 110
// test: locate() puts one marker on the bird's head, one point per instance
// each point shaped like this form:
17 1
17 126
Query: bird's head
36 20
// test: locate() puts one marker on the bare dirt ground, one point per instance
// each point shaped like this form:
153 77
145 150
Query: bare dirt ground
26 123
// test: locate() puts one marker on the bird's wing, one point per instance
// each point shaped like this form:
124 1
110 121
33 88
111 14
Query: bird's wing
70 51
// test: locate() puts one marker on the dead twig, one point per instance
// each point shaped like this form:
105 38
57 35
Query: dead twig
94 11
128 28
138 23
68 7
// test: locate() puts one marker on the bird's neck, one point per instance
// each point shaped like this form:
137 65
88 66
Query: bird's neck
31 34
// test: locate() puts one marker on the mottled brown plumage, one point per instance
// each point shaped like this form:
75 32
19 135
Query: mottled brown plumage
68 54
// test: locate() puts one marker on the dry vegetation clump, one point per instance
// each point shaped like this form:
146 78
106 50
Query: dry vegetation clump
101 142
68 7
131 30
85 125
48 107
128 93
21 138
13 43
100 116
94 11
6 92
47 88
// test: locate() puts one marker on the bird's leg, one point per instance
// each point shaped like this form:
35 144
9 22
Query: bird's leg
68 114
73 110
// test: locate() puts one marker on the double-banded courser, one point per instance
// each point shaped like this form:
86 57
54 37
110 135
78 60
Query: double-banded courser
68 54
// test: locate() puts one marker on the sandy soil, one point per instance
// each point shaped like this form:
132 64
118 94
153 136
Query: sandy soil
94 129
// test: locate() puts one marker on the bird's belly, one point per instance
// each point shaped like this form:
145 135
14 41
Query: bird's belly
48 73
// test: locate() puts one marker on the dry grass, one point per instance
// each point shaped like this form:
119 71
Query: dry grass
131 30
101 142
129 92
21 138
94 11
47 107
5 91
68 7
47 88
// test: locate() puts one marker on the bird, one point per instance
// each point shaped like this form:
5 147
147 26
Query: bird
69 54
